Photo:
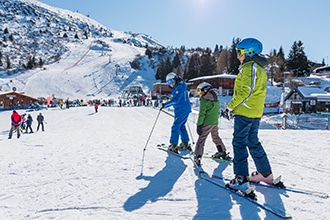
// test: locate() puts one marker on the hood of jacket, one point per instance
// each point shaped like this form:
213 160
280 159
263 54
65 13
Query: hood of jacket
259 59
211 95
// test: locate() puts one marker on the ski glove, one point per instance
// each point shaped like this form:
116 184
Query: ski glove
199 129
227 114
161 108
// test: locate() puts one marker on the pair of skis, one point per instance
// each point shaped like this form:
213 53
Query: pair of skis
211 179
204 175
186 156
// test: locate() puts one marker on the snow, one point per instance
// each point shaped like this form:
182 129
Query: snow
88 165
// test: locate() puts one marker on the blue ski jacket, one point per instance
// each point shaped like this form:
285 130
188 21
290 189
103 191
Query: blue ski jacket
180 99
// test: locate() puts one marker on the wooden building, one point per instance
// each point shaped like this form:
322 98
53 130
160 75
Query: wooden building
14 100
224 82
307 99
161 89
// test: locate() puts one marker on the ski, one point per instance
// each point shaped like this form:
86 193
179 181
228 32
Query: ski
203 175
217 159
289 189
162 147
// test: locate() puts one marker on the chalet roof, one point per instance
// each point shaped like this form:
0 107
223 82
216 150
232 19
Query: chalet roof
15 93
310 92
214 77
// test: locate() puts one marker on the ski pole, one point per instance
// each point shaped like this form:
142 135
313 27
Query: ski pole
192 139
145 147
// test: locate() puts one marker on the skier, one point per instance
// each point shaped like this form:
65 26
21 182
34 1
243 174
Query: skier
15 124
247 104
181 104
208 122
40 119
29 121
22 123
96 107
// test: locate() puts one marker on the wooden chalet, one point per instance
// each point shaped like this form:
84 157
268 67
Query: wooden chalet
307 99
14 100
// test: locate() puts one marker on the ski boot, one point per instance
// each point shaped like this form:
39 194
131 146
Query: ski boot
240 183
173 148
197 160
221 155
185 146
267 178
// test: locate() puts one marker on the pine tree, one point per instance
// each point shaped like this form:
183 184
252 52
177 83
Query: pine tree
163 69
160 71
1 64
193 67
176 61
168 67
223 62
148 53
207 66
8 62
297 60
233 61
216 52
276 65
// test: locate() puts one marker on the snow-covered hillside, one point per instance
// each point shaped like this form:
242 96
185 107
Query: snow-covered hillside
81 54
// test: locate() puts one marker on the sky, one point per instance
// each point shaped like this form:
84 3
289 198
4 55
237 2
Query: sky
206 23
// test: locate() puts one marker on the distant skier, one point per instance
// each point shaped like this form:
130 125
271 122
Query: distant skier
61 103
15 124
29 121
182 108
207 122
22 123
96 107
40 119
67 103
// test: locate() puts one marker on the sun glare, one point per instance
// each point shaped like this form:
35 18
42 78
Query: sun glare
201 4
203 7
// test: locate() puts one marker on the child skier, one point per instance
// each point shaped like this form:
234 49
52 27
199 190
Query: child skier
208 122
182 108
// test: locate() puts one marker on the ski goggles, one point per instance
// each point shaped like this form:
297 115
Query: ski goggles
170 81
198 91
240 52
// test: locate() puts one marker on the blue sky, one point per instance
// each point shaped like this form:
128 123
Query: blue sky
205 23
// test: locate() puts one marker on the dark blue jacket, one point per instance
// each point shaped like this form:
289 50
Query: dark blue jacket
29 120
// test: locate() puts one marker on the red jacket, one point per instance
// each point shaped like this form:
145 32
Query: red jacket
15 118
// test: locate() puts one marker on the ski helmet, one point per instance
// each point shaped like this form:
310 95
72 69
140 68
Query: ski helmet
249 47
203 87
171 77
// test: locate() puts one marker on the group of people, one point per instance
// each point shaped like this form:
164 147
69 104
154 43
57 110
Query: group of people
245 108
19 124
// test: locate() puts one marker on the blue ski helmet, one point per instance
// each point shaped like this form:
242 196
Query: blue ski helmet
249 47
